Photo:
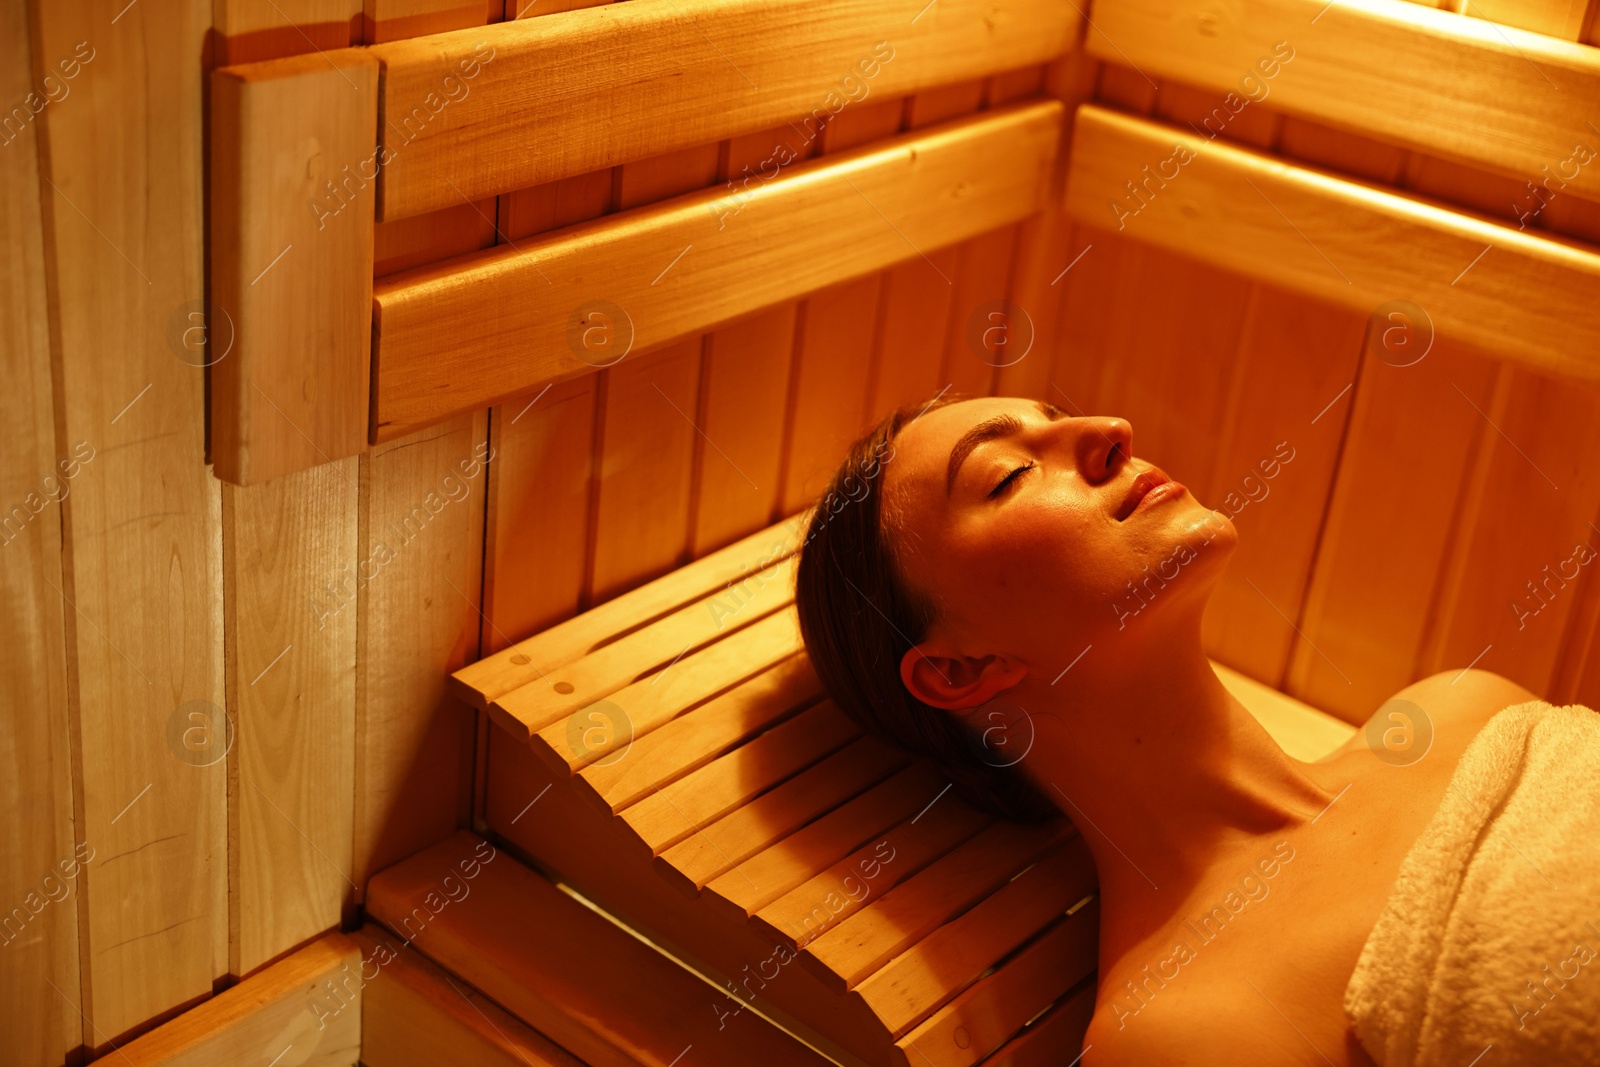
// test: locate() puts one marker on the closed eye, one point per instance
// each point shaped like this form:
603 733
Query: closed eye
999 488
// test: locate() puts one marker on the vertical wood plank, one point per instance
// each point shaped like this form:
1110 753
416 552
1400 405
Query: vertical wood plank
292 583
39 927
252 30
743 382
395 20
830 385
122 205
538 516
646 448
293 167
1387 533
422 508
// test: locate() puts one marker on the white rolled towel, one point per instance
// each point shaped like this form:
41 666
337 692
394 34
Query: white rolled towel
1487 951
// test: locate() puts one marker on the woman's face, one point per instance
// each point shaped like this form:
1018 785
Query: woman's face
1036 533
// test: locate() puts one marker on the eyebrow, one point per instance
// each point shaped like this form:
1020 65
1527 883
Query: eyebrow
988 430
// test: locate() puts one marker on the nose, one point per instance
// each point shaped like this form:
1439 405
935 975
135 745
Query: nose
1104 445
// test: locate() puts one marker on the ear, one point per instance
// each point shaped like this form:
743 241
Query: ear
941 677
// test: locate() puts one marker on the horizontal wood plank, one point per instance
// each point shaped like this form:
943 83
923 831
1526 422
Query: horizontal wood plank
304 1009
583 297
596 990
1466 88
458 107
709 593
1528 299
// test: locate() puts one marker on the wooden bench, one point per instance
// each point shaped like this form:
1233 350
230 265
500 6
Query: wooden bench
670 754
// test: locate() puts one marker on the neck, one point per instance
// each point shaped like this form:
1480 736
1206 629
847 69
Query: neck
1162 770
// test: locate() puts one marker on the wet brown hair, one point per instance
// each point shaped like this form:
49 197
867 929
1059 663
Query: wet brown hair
858 618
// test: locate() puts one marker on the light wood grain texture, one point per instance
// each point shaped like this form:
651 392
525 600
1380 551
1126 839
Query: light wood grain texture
743 383
1354 244
708 837
598 855
396 20
122 201
601 993
673 272
981 1019
292 168
1557 18
290 552
893 922
39 924
784 61
538 513
1509 592
419 239
251 30
911 986
1464 88
828 395
649 439
304 1009
723 589
1384 542
417 583
417 1014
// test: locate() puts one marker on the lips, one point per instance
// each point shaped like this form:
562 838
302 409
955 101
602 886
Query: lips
1146 481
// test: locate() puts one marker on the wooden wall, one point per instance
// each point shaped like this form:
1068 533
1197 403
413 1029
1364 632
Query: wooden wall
225 705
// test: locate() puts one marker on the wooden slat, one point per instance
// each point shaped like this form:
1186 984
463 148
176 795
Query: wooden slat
417 1014
844 889
304 1009
699 853
1366 608
706 595
694 633
122 200
756 882
291 648
717 789
827 408
644 468
783 61
931 972
891 923
589 733
418 573
674 272
396 20
420 239
677 748
292 171
538 521
746 372
595 853
1051 1039
251 30
41 949
985 1015
1465 88
602 994
1528 299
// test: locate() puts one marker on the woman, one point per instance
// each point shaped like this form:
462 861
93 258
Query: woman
983 561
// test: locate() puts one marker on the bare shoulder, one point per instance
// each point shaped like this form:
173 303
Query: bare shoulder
1455 706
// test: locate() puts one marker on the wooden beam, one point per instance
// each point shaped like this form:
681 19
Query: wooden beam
1525 298
1465 88
292 166
457 336
306 1009
458 108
